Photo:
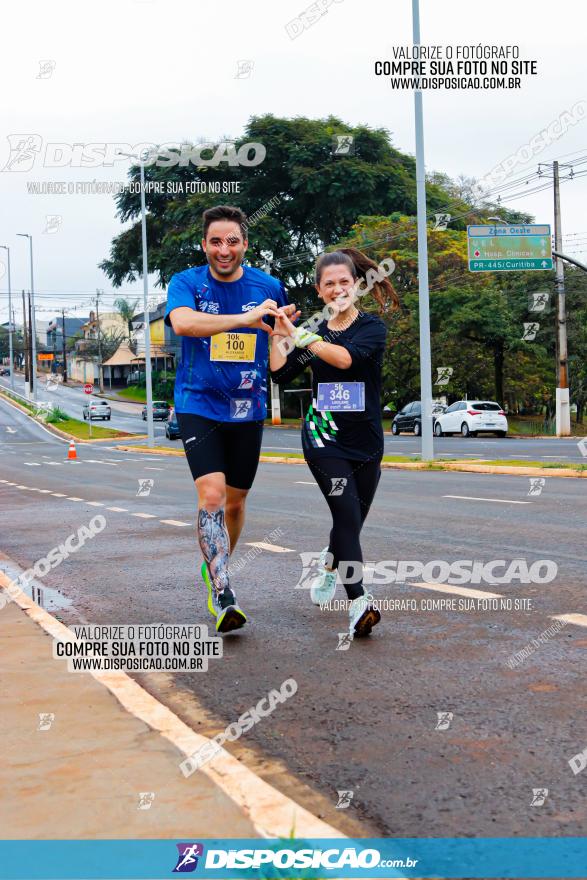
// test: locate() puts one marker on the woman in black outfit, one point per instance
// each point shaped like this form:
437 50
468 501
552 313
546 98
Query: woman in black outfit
342 434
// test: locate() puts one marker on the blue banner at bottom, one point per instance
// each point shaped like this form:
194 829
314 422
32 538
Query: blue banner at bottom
523 857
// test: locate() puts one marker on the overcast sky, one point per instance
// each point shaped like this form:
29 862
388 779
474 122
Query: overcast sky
136 71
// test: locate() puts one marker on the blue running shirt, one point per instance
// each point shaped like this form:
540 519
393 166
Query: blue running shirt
223 377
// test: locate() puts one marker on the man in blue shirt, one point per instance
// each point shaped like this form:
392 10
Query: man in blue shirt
219 310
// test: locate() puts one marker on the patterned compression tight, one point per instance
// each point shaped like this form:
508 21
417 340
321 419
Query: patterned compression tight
215 546
349 488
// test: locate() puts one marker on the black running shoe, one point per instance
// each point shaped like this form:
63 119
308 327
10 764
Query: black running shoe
230 616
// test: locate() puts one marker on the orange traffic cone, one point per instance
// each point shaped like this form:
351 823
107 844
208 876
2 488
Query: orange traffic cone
72 454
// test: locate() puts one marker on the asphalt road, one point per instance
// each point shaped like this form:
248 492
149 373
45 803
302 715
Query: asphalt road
126 416
364 719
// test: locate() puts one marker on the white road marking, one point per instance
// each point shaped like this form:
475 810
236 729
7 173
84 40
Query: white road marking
305 483
154 469
45 491
58 495
95 503
577 619
459 591
99 461
32 464
55 463
273 548
174 522
118 509
73 498
145 515
11 430
284 448
496 500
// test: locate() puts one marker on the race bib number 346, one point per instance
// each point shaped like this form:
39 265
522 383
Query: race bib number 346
341 396
233 347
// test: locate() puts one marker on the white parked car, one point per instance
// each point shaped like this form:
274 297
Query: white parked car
472 417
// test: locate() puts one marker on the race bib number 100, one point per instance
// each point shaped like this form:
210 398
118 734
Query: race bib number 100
233 347
341 396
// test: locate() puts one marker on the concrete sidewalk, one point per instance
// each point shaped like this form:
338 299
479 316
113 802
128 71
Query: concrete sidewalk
83 776
104 760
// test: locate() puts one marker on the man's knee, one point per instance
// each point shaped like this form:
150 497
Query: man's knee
211 494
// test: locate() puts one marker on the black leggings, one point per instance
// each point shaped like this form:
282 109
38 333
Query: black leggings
349 488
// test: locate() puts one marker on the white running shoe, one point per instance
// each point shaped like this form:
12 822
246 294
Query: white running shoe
324 585
363 616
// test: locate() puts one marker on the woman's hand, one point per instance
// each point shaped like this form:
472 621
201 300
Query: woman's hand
283 322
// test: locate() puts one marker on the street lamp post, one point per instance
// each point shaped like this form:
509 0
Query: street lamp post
33 327
423 290
148 382
10 328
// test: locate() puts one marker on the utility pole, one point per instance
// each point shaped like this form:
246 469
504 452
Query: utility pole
563 412
33 324
64 348
100 373
25 346
10 322
31 355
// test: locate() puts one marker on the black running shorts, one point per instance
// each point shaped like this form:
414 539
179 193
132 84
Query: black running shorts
232 449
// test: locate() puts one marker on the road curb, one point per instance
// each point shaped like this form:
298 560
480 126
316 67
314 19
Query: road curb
63 435
464 466
272 813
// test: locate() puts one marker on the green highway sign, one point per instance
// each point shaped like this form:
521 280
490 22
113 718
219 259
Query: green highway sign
522 248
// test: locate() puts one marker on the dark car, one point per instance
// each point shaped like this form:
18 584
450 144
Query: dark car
410 417
172 428
4 371
160 410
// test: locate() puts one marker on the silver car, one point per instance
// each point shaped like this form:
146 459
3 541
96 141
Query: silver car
97 409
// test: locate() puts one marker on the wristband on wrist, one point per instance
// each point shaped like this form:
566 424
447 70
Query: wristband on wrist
303 338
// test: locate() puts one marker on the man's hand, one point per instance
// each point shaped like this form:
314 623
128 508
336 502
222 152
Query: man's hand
254 318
